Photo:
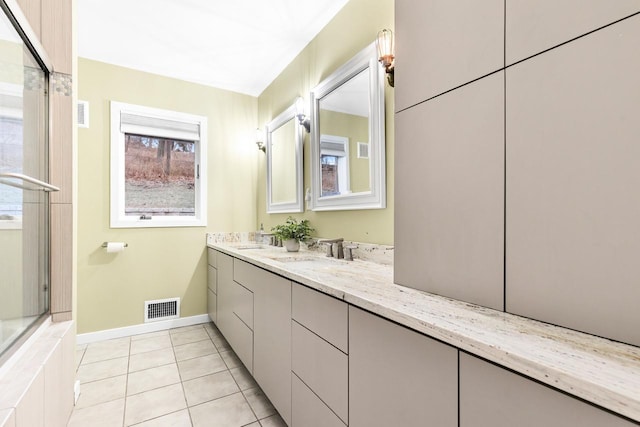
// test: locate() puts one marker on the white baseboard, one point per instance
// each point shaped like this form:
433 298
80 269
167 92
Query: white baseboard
143 328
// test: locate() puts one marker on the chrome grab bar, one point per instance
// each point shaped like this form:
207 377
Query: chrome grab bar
43 185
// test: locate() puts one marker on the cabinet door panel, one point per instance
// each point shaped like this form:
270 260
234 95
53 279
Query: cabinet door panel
322 367
494 397
212 305
449 233
241 340
309 410
535 26
212 279
442 44
272 338
324 315
225 293
211 257
572 185
243 304
398 377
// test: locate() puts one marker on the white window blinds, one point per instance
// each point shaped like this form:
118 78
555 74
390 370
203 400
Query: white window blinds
154 126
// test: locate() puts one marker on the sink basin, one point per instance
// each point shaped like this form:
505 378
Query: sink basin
249 247
292 258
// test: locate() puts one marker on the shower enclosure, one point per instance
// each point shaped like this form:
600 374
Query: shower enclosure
24 191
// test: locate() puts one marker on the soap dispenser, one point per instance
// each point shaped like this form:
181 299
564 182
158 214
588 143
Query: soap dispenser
259 234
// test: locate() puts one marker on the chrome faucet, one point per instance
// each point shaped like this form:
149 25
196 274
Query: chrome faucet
334 247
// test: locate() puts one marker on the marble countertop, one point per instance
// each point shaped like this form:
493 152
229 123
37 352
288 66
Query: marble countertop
597 370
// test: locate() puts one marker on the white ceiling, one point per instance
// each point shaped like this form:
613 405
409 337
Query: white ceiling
238 45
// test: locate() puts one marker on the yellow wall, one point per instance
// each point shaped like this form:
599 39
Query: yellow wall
160 262
355 27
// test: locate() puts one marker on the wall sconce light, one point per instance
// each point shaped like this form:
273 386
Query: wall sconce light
302 117
260 140
384 43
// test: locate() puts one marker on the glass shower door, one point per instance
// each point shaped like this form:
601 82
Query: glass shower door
24 192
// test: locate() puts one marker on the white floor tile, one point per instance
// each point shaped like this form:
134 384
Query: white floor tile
230 411
176 419
194 349
101 370
154 403
209 387
153 378
200 366
151 359
102 391
108 414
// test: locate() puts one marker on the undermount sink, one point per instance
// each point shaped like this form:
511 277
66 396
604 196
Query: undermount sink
291 258
249 247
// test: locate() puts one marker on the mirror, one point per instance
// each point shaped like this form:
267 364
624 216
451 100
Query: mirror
284 163
347 141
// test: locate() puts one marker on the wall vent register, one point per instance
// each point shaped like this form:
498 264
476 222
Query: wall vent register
164 309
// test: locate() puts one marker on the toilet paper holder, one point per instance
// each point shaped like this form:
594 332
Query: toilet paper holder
105 244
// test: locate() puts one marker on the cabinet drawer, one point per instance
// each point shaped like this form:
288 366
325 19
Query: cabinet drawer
241 340
243 304
212 257
322 367
308 410
212 306
247 274
324 315
212 279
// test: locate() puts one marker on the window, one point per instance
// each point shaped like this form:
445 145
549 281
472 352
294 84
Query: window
158 174
334 162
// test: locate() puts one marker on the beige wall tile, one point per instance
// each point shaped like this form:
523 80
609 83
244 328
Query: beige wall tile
8 418
30 409
61 145
32 10
56 33
61 257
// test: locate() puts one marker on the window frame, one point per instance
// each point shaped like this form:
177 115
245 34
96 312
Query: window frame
118 219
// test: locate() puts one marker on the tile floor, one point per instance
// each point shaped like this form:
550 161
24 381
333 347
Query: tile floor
182 377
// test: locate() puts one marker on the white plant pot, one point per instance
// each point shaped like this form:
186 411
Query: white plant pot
292 245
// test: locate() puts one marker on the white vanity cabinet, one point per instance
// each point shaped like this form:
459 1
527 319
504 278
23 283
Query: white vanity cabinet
271 322
319 359
398 377
491 396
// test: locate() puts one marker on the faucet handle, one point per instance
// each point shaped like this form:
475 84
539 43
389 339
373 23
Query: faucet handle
348 252
338 252
329 249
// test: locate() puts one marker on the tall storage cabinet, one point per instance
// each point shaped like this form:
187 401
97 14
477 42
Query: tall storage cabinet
517 136
572 184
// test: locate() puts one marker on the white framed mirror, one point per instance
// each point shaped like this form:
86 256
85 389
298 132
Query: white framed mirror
348 137
284 163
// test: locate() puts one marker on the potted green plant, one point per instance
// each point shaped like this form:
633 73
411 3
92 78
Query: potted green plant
292 232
